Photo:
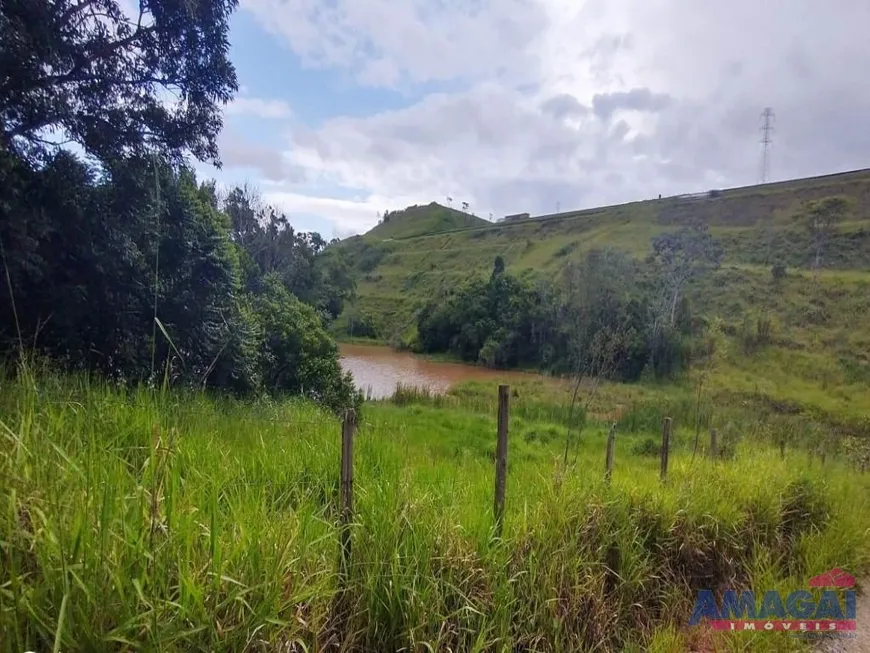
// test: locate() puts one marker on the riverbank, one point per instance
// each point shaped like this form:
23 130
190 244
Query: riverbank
181 521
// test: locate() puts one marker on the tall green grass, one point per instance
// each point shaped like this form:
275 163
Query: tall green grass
136 520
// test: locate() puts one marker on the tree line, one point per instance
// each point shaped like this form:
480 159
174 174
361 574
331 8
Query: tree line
607 315
116 258
140 272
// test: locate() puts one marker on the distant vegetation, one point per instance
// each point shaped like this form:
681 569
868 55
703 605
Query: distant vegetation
779 270
598 306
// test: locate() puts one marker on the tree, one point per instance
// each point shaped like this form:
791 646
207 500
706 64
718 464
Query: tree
497 266
296 353
269 244
134 271
681 257
84 71
598 327
506 321
465 207
715 352
823 219
778 272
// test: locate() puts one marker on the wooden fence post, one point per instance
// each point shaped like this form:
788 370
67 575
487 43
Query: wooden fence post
611 444
782 448
714 443
501 456
347 432
666 446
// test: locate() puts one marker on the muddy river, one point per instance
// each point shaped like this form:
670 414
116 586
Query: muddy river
377 370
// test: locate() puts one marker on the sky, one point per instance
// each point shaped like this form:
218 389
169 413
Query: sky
348 108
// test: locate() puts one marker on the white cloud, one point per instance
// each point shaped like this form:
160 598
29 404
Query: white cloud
271 163
258 107
421 40
578 103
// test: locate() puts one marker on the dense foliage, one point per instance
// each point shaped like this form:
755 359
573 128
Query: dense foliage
599 310
270 245
125 264
116 82
139 272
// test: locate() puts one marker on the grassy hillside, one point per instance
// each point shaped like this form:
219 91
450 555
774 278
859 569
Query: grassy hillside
137 520
821 352
418 220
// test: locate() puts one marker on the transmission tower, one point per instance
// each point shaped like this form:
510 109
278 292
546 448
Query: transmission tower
767 118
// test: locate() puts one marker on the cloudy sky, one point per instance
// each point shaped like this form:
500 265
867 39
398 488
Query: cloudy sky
350 107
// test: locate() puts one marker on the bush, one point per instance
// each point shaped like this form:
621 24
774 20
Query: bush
565 250
370 257
598 311
646 447
778 271
756 333
296 355
361 324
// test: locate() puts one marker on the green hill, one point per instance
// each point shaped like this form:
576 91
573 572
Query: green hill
421 220
821 352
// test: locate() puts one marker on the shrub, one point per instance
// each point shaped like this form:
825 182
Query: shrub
646 447
758 333
565 250
778 271
370 257
361 324
296 354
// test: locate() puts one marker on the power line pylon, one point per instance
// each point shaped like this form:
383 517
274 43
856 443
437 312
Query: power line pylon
767 118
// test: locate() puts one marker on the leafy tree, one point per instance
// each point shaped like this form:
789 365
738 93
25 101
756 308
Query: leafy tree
498 266
361 324
778 272
198 286
133 268
135 272
823 219
296 353
681 257
269 244
505 322
115 84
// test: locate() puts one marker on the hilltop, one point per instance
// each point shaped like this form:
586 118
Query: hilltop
820 354
423 220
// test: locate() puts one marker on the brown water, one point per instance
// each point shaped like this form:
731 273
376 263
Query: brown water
377 370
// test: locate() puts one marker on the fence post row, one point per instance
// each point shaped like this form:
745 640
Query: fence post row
346 491
666 446
611 444
501 456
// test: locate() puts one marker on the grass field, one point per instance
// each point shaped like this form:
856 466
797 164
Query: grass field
136 520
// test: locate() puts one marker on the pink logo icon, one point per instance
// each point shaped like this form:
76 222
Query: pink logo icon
834 578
